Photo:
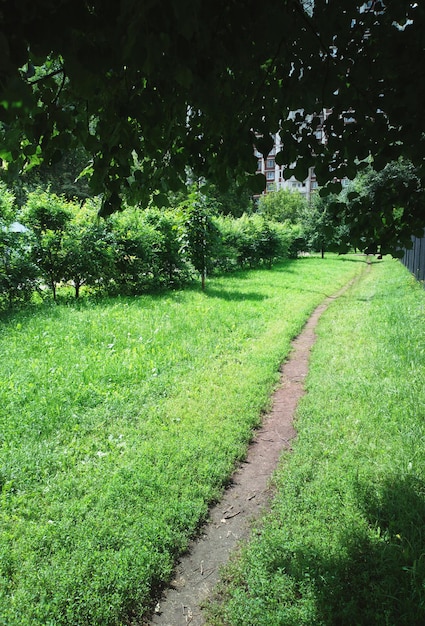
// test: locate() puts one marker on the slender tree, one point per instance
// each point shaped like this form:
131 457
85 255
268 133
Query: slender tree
201 235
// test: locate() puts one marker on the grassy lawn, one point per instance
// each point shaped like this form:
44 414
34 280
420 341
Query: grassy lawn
345 541
121 420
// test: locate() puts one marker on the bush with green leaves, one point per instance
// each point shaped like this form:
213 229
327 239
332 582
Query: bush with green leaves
171 268
89 248
296 240
258 241
226 258
134 251
322 229
271 243
47 216
7 205
282 206
251 241
18 274
136 244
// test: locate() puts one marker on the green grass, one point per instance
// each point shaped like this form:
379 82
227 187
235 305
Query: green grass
345 541
120 421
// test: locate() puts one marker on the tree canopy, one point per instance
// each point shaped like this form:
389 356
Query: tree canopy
381 210
282 205
153 89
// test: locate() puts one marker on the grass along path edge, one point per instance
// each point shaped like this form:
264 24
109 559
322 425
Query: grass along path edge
345 542
249 493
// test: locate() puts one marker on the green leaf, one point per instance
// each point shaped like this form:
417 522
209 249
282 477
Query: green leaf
257 183
264 145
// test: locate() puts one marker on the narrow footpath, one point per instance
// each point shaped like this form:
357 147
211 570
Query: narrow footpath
248 496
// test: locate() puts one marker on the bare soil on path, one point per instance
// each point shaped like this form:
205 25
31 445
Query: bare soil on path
248 496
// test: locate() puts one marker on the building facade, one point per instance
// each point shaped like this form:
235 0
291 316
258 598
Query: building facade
273 172
275 179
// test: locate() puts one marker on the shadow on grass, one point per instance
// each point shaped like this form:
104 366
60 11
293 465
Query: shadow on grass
47 306
359 258
211 292
379 579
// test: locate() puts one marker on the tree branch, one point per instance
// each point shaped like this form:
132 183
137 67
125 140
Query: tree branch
47 76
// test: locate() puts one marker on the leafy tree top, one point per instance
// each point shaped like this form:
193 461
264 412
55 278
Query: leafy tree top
152 88
282 205
382 209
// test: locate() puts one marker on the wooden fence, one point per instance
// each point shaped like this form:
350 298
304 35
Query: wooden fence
414 259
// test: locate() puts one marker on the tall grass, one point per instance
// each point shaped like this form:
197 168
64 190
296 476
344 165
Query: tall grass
120 421
345 542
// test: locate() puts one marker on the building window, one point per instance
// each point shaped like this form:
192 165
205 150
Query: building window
270 163
270 186
259 164
270 175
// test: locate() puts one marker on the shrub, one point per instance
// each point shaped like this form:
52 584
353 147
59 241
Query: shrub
18 274
170 267
47 216
136 244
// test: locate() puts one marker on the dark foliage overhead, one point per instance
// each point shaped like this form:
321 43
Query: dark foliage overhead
153 88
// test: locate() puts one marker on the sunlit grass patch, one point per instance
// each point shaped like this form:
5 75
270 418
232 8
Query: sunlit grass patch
120 421
345 542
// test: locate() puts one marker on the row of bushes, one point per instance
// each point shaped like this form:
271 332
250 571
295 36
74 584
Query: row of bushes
51 242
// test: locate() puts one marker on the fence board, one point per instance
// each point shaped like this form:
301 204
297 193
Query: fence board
414 259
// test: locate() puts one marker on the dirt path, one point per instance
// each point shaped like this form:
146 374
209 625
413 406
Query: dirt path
248 496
